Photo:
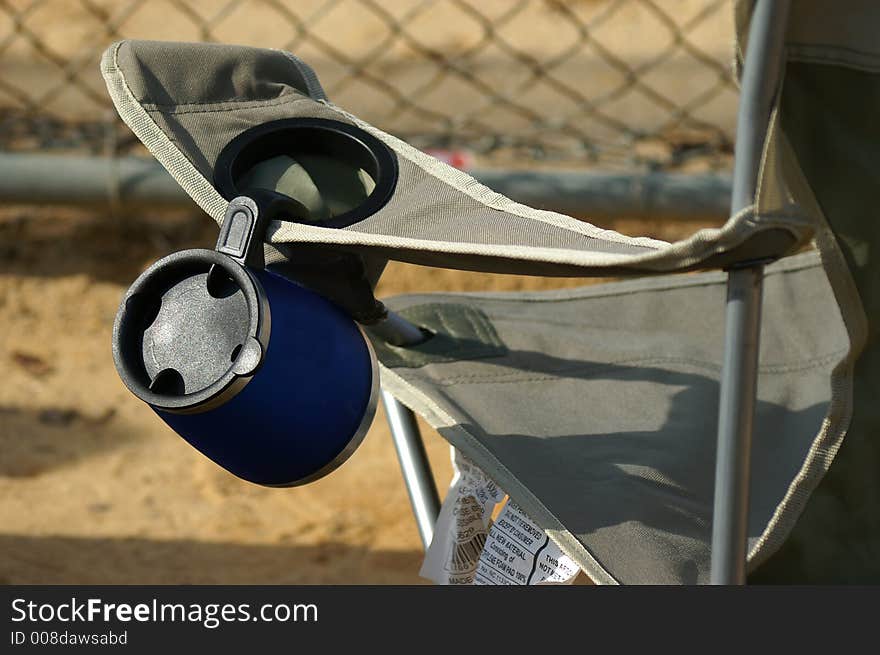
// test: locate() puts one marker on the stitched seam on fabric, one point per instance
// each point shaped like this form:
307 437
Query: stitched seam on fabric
514 377
833 48
833 430
313 84
834 55
208 108
225 101
281 233
868 67
787 265
679 255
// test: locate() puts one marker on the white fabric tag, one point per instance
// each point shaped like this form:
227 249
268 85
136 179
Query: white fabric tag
518 552
462 526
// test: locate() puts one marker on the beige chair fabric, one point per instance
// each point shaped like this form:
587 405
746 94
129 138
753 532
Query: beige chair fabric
438 215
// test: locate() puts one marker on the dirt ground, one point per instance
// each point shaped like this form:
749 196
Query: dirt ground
95 489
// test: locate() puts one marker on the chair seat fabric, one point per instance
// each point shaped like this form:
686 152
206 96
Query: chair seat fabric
595 408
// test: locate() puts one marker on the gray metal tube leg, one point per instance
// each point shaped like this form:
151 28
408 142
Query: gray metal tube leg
762 72
411 454
739 381
397 331
414 465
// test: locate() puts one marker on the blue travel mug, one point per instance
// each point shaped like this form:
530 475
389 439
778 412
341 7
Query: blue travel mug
270 380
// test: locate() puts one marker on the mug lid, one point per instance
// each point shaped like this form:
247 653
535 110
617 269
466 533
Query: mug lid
191 331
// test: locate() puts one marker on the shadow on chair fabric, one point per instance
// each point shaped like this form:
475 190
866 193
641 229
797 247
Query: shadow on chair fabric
601 414
834 137
596 409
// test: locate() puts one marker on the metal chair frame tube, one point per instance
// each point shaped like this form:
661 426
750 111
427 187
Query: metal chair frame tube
762 73
414 463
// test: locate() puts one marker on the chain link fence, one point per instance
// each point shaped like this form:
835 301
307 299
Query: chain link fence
616 84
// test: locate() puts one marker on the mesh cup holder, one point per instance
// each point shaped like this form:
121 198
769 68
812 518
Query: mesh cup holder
310 137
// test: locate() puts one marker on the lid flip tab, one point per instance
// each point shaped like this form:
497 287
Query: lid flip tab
246 220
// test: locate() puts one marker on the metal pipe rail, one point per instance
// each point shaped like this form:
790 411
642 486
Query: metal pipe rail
39 179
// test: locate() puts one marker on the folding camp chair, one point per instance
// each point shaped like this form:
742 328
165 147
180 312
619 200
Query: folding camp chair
596 409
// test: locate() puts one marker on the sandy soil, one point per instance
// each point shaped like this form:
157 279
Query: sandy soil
94 489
